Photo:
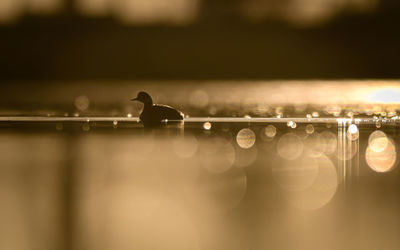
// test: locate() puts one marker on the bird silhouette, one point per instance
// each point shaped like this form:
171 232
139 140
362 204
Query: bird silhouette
154 114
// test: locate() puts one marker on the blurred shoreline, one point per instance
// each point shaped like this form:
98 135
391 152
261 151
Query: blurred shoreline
218 45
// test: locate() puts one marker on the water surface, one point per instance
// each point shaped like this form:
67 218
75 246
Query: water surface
79 172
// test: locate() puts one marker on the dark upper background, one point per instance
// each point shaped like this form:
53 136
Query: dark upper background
46 40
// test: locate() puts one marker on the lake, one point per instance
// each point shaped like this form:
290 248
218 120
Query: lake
254 165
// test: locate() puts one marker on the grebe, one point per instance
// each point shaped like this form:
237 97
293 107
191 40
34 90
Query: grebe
154 114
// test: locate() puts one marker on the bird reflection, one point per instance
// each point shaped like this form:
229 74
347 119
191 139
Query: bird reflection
154 114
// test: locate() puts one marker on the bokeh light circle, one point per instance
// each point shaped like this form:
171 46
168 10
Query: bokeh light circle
199 98
290 147
82 102
309 129
207 125
245 157
328 142
217 194
216 155
352 132
378 141
292 124
185 147
320 192
381 161
296 175
270 131
246 138
313 145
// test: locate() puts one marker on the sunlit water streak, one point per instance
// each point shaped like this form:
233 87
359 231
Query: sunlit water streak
366 121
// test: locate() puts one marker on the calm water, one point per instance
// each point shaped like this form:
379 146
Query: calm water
312 173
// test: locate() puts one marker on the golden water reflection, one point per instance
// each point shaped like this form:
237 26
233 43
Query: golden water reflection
191 188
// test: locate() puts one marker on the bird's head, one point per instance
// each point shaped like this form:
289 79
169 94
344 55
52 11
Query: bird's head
144 98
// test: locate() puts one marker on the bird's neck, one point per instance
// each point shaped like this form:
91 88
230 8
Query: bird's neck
148 102
148 105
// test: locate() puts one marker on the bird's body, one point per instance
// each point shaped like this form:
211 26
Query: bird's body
154 114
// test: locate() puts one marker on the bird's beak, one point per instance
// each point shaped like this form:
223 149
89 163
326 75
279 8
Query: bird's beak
134 99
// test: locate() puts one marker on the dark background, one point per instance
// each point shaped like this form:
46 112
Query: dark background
220 43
